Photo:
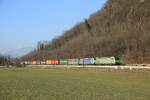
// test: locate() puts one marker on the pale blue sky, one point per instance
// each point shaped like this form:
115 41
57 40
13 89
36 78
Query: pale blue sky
24 22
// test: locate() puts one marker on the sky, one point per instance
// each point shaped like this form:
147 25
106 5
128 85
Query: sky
25 22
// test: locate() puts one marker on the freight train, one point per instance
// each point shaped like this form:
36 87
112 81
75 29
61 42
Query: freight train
76 61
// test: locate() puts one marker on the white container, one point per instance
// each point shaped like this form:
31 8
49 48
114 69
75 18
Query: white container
73 61
105 61
81 61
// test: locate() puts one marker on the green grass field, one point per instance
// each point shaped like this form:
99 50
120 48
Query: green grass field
73 84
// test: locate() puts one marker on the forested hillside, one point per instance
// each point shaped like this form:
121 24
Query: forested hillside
121 28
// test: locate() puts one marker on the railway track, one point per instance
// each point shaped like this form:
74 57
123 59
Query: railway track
133 66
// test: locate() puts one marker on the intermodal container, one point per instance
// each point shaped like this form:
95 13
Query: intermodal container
38 62
63 61
81 61
73 61
29 63
105 61
55 62
26 63
43 62
34 62
48 62
89 61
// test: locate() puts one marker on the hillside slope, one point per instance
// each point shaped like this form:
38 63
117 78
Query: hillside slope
120 28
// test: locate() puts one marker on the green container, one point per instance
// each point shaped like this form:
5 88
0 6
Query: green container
63 61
